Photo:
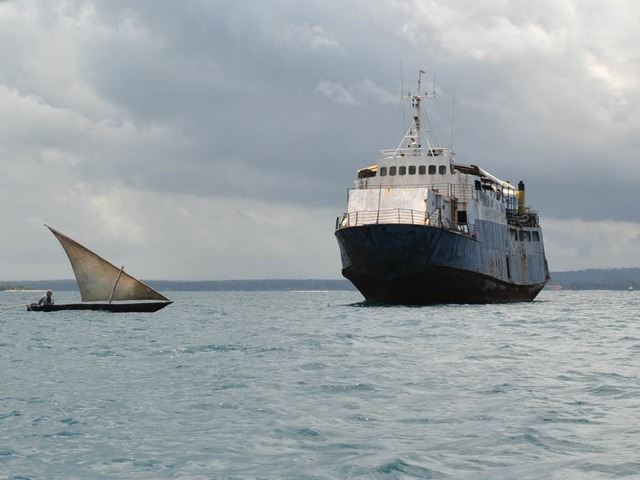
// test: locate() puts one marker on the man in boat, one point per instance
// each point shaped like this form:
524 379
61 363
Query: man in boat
46 299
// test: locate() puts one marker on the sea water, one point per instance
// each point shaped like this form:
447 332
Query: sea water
316 385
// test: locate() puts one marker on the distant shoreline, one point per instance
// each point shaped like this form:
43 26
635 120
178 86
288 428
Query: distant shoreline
591 279
197 285
9 287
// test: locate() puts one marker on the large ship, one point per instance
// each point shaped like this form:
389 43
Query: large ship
422 229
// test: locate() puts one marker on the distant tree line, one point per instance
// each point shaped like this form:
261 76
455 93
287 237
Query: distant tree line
207 285
9 286
598 279
591 279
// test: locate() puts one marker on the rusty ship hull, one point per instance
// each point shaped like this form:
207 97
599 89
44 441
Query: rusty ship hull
422 265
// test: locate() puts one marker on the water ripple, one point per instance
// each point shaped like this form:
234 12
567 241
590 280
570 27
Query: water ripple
322 386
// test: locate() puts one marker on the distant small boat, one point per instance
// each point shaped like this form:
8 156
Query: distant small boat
630 288
103 286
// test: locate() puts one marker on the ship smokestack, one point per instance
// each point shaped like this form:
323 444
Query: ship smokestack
522 208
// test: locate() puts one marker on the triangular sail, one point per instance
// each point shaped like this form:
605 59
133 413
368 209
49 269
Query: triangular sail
97 277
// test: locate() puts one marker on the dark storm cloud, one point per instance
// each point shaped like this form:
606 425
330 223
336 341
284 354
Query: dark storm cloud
241 87
213 108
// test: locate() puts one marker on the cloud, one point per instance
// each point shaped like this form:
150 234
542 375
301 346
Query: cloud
363 92
577 244
312 36
172 132
183 237
336 92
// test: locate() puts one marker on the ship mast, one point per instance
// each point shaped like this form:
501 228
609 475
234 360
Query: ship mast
413 137
416 110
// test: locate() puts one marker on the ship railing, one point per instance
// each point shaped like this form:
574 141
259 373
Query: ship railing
527 219
403 216
400 153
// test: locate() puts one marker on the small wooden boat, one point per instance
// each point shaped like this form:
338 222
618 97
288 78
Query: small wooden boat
103 286
109 307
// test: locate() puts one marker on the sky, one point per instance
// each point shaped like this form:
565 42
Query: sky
215 139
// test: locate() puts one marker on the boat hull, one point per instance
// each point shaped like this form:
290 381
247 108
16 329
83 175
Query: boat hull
422 265
97 306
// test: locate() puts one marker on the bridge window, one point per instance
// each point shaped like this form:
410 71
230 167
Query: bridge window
402 170
525 236
422 169
383 171
412 169
432 169
392 170
442 169
536 236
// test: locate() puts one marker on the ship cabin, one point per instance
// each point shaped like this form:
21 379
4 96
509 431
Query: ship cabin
410 166
418 185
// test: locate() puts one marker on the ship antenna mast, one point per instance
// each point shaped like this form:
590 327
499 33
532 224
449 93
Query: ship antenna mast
416 99
414 135
416 109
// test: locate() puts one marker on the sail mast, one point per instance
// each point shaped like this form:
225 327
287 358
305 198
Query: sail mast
116 283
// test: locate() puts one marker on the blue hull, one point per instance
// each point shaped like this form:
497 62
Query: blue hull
421 265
